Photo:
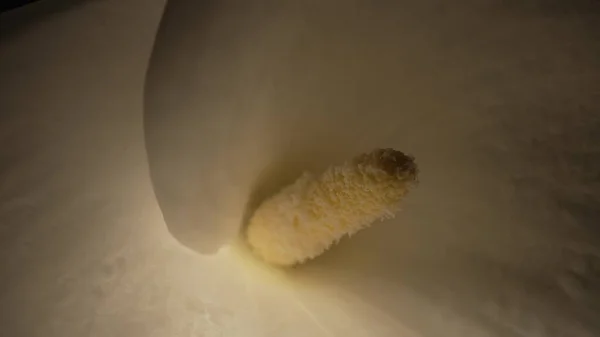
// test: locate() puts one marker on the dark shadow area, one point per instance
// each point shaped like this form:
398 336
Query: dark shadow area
20 15
13 4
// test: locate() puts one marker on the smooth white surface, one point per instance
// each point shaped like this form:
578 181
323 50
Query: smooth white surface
497 102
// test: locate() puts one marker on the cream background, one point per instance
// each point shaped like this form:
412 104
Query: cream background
497 101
